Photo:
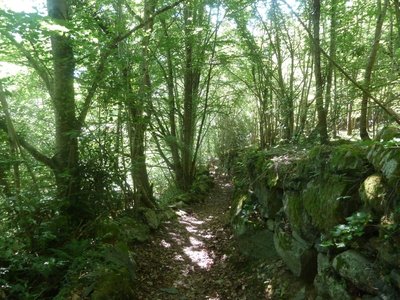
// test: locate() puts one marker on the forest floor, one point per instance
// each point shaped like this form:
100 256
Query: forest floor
195 256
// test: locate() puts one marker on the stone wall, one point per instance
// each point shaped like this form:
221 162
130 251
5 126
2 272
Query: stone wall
333 210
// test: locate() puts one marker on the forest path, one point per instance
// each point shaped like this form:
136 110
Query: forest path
194 256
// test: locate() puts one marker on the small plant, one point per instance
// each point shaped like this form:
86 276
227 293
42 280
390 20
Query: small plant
343 234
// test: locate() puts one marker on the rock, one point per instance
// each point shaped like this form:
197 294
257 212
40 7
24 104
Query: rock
257 245
373 194
387 161
328 286
237 205
323 263
395 278
388 133
270 225
151 218
389 253
167 214
138 231
299 256
300 295
354 267
328 202
300 221
370 297
350 159
269 199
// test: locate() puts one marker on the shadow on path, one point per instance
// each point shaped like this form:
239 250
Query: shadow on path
194 256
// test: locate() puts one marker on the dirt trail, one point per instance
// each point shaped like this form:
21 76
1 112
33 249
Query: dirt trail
194 256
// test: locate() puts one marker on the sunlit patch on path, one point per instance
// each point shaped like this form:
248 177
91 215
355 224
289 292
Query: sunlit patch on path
196 250
190 257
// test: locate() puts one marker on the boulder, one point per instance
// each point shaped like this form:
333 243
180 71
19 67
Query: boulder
389 253
329 287
151 218
257 245
269 199
299 256
385 156
328 202
297 216
386 159
373 194
388 133
395 278
239 225
354 267
350 159
323 263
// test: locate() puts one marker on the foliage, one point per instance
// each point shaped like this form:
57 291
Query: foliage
105 102
343 235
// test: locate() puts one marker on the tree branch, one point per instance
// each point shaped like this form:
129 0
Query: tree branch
106 53
42 72
388 110
7 126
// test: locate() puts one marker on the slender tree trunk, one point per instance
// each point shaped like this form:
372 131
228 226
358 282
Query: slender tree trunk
350 118
368 69
66 158
191 87
172 141
332 53
322 126
139 171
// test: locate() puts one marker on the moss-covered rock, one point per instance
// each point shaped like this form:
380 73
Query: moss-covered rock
257 245
387 161
385 155
354 267
297 215
299 256
389 253
151 218
269 200
349 159
388 133
373 194
330 287
113 284
329 202
127 228
238 220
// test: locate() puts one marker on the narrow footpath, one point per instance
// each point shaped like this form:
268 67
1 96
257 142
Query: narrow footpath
194 256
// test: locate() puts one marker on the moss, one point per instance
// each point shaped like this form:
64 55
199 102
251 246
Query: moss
373 194
350 159
388 133
294 209
237 205
284 241
114 284
329 202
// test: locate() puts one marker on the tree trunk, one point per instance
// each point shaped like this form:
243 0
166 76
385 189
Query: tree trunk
139 123
191 84
332 54
172 141
368 70
322 126
66 158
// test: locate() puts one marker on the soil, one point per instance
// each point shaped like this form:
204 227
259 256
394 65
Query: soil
195 256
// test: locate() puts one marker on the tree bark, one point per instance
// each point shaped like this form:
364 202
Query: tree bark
368 70
191 86
322 126
139 121
66 158
330 67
